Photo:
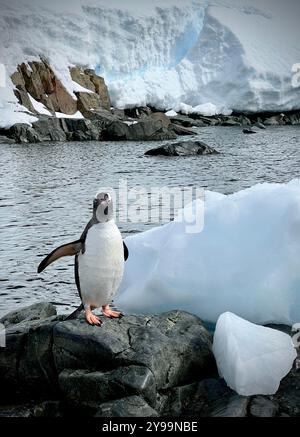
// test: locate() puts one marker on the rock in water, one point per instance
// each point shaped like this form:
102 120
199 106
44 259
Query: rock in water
248 131
251 358
183 148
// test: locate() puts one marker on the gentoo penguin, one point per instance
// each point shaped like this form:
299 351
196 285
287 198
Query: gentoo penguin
99 260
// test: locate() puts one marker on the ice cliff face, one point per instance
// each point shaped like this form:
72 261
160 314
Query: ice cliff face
233 54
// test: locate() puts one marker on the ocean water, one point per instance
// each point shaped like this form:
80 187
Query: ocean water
46 193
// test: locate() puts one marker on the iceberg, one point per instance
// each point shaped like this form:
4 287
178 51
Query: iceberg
202 56
245 259
251 358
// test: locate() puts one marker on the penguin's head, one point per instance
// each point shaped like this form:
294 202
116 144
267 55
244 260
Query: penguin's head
103 207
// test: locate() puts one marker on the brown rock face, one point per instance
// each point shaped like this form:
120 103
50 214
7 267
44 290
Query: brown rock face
24 100
162 117
90 80
79 76
87 102
39 80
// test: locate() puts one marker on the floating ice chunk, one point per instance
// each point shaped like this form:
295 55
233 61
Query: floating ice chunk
251 358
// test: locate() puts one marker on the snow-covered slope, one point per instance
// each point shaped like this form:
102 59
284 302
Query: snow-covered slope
246 259
234 54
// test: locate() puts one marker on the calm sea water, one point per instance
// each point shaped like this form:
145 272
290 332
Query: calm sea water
46 192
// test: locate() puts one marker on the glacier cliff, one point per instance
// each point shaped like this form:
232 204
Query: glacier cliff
232 54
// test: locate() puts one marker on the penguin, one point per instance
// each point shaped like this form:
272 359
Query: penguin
99 260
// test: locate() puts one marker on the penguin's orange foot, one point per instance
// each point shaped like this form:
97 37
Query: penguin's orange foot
106 311
92 319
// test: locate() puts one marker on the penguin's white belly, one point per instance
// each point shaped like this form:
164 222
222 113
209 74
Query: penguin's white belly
101 266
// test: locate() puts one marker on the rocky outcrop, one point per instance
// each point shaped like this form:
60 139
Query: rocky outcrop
103 126
183 148
146 129
38 80
155 365
98 97
119 368
56 129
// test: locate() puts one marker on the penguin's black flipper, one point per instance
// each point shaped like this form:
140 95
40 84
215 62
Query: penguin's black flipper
126 251
68 249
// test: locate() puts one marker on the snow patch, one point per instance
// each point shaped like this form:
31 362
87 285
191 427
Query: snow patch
77 115
171 113
38 106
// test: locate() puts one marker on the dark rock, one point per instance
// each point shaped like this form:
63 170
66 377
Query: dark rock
263 407
50 408
184 148
57 129
145 130
160 116
260 125
132 406
25 357
116 130
22 133
35 312
15 411
138 112
36 369
233 406
288 394
208 398
248 131
230 123
135 366
180 130
150 130
245 121
172 345
185 121
275 120
293 119
209 121
84 387
49 129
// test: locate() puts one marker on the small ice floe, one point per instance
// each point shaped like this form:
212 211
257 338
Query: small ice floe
251 358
